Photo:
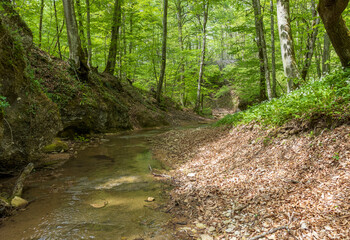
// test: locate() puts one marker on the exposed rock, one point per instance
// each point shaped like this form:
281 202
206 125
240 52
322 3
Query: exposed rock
56 146
19 202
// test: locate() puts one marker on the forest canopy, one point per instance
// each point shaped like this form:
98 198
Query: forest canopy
211 46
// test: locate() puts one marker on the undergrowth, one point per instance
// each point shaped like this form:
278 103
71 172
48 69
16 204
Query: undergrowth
329 96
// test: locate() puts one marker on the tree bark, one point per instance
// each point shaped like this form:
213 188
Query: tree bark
164 43
113 47
201 67
57 31
287 45
311 41
330 12
88 34
273 52
326 54
81 28
76 53
42 5
261 43
180 19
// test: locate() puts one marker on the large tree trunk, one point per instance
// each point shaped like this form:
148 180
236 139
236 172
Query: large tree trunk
201 68
163 61
88 34
273 52
326 54
81 28
286 40
76 53
261 43
330 12
311 41
113 47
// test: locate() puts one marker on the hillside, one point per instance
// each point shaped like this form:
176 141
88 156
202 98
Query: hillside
273 170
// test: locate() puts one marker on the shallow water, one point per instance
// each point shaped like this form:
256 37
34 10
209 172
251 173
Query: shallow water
99 195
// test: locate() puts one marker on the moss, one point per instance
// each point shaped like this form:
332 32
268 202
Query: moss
56 146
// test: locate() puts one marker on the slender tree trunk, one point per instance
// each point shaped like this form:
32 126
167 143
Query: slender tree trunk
311 41
273 52
330 12
287 46
261 43
42 5
57 30
131 23
179 15
164 42
201 68
113 48
326 54
88 34
318 52
76 53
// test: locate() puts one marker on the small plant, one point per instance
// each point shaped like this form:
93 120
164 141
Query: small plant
3 104
80 138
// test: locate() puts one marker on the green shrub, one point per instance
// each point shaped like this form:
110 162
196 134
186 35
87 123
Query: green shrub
3 104
329 96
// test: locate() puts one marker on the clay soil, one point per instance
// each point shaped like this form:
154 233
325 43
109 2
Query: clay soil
252 183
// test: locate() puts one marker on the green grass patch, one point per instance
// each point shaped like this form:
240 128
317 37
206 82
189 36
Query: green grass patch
329 96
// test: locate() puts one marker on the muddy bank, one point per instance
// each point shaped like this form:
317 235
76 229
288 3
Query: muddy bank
242 182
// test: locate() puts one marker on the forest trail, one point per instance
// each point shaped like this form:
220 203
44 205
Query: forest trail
247 181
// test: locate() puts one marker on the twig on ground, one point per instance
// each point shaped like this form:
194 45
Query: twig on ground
270 232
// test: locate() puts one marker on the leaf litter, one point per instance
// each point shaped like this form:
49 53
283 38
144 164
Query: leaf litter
249 182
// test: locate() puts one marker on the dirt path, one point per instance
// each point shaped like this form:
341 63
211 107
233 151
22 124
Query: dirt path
249 182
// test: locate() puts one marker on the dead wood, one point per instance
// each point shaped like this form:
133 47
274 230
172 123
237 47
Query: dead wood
17 191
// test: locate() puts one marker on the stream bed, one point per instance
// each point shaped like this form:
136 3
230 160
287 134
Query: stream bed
99 195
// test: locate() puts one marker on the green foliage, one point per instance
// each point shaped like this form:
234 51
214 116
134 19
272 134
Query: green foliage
3 104
329 97
222 91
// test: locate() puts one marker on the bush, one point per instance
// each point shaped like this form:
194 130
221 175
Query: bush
329 96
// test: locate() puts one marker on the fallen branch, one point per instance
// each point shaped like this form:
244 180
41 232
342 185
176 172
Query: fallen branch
270 232
17 191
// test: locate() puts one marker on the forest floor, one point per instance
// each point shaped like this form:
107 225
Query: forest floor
248 182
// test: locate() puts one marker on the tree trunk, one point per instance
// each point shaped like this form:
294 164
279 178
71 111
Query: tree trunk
287 45
326 54
88 34
42 5
113 47
164 41
76 53
261 43
81 28
201 68
311 41
330 12
180 16
273 52
57 31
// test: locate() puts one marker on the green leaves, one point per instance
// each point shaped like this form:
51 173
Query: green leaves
317 97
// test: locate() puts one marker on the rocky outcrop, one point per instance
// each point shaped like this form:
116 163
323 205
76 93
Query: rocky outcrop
32 120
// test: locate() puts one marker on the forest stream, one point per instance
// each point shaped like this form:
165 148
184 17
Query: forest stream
99 195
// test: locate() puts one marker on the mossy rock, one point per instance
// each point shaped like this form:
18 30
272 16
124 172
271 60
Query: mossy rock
56 146
19 202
